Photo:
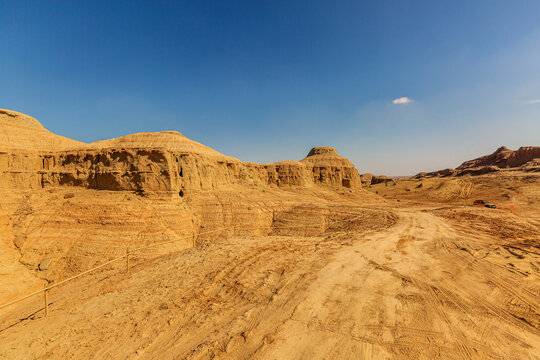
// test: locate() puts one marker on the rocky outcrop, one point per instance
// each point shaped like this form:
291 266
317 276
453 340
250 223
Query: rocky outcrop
370 179
382 179
439 173
289 173
505 158
199 195
525 158
149 162
366 179
478 171
329 168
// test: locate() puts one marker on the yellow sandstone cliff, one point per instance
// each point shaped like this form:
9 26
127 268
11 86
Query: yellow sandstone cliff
32 157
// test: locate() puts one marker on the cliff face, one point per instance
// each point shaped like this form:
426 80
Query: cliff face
53 222
506 158
148 162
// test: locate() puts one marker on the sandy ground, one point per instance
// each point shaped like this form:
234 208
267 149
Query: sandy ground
429 286
306 265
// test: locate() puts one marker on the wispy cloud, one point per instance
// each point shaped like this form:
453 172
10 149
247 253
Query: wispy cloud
402 100
537 101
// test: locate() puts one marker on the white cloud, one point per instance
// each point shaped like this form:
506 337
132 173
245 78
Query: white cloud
533 101
402 100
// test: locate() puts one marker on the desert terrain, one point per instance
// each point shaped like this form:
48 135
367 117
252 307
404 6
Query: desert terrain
290 260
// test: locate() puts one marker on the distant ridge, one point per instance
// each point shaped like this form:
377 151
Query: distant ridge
506 158
526 158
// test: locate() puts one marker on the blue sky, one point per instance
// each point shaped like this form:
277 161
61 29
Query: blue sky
265 81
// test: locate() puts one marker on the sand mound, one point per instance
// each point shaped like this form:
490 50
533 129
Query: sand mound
19 131
15 118
166 140
326 155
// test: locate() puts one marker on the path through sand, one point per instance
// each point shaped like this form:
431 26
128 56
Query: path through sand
423 288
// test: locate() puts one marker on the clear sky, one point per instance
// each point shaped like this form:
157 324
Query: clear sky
398 86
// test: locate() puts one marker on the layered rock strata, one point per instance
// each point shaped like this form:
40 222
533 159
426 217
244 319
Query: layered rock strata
506 158
526 158
55 224
329 168
148 162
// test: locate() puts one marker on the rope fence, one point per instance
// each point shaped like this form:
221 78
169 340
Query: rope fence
129 252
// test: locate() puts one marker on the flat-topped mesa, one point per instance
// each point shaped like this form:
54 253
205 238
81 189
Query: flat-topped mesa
329 168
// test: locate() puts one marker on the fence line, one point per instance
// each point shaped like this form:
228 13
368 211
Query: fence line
102 265
46 289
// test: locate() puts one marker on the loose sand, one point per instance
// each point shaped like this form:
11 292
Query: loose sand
310 264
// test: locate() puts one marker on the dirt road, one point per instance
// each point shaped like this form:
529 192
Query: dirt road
413 291
423 288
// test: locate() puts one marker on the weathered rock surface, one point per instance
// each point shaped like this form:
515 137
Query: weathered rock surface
438 173
366 179
329 168
381 179
505 158
22 132
74 203
526 158
32 157
44 264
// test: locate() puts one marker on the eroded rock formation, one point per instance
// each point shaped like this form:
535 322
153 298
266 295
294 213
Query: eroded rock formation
329 168
506 158
56 224
32 157
526 158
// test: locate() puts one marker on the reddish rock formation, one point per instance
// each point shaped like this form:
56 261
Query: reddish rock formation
506 158
526 158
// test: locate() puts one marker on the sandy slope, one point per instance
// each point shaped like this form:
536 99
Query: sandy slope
16 280
423 288
309 266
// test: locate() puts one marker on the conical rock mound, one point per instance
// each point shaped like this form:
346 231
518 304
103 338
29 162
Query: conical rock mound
166 140
326 156
330 168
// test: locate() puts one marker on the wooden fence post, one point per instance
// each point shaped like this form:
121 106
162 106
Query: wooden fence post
127 260
46 296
